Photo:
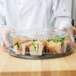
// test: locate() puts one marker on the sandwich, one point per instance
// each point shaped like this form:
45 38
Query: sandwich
16 45
21 45
25 46
37 47
56 45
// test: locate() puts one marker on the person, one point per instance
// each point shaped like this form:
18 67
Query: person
16 15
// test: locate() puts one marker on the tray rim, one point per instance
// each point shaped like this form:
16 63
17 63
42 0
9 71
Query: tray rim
10 51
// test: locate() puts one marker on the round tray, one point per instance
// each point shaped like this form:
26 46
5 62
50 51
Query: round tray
46 56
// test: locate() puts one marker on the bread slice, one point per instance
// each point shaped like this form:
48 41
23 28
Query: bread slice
53 47
25 47
19 40
16 50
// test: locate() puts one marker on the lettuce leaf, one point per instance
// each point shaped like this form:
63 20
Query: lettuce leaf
57 39
16 44
34 45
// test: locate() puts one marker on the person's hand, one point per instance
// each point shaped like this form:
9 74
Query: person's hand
4 32
71 35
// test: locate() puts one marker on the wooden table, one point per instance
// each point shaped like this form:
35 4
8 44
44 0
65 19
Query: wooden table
11 66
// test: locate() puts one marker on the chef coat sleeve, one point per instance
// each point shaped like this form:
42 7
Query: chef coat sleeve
61 16
2 14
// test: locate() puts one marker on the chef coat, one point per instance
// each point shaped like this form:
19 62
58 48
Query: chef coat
34 14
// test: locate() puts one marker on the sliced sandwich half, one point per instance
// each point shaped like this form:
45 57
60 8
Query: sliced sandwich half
56 45
25 46
17 44
37 47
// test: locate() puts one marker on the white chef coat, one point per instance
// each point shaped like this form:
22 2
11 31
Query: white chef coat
34 14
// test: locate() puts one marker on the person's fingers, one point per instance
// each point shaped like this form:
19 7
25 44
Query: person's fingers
8 31
5 49
3 46
5 35
11 30
7 44
71 38
2 43
71 35
72 41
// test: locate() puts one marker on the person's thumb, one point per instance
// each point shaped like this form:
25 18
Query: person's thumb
11 30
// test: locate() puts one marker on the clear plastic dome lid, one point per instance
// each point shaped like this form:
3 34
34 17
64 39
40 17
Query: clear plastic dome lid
39 34
40 42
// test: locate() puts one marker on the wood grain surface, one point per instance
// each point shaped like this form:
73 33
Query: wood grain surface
11 66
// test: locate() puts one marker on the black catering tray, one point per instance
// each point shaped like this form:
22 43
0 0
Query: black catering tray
46 56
